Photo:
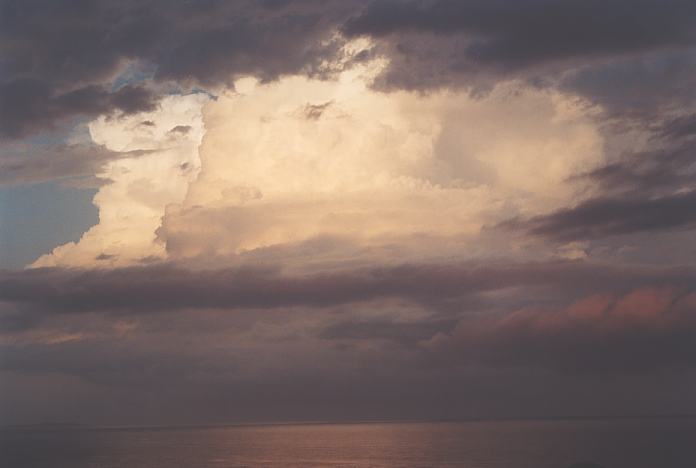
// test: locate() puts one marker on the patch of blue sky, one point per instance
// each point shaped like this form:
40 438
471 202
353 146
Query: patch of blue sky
34 219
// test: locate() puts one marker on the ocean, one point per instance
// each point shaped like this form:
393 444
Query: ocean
620 443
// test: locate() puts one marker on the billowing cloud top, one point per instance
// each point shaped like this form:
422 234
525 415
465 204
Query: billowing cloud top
380 201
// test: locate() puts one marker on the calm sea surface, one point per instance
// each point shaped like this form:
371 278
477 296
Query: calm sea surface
649 443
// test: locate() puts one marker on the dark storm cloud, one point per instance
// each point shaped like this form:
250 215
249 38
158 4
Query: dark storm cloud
167 287
58 54
293 359
679 127
534 31
645 87
312 346
27 105
514 36
58 57
649 173
602 217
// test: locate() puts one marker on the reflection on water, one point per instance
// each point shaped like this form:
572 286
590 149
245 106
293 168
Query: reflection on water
649 443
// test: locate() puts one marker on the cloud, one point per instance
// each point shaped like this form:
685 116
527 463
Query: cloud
181 129
643 186
27 105
631 74
459 40
60 57
601 217
622 26
679 127
653 172
370 169
261 344
168 287
79 50
650 86
153 168
405 333
643 329
72 164
362 179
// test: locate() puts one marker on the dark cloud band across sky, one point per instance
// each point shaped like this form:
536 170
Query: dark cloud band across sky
166 288
56 55
98 328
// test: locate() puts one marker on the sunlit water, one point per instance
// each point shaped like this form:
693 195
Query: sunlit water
648 443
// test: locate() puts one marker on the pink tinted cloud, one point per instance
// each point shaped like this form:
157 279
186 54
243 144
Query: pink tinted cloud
649 326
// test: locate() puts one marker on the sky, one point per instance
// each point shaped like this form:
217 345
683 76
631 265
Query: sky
304 210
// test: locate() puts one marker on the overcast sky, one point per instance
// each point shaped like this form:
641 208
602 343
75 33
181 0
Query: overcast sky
276 210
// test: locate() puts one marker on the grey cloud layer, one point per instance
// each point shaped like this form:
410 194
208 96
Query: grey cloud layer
602 217
166 287
28 104
423 341
59 57
461 40
559 315
57 53
531 32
